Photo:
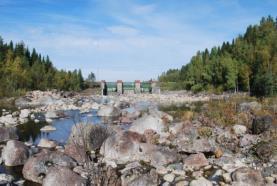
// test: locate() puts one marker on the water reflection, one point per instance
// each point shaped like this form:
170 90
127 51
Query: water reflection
30 132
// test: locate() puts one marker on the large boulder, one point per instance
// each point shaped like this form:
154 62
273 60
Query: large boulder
247 176
63 176
261 124
148 122
15 153
129 146
7 133
108 111
37 166
88 135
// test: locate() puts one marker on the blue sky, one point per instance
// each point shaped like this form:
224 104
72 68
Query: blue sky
124 39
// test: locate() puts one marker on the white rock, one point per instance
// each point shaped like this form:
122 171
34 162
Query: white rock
45 143
169 177
8 120
24 113
48 120
48 128
239 129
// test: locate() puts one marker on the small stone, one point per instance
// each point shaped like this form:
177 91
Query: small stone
201 182
182 183
161 170
269 180
19 182
179 172
48 128
218 153
36 121
169 177
227 177
208 167
197 174
45 143
196 161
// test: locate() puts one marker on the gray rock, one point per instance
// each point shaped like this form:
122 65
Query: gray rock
129 146
137 176
268 171
15 153
63 176
248 176
7 133
267 150
248 140
37 166
261 124
196 145
200 182
250 106
22 102
6 179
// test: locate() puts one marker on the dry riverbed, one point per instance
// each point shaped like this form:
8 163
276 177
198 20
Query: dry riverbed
173 138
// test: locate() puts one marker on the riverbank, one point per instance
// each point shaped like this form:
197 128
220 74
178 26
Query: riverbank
173 138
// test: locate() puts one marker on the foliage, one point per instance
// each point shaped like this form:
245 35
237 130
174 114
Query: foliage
22 70
249 63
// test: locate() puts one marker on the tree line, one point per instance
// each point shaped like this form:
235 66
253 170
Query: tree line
248 63
22 70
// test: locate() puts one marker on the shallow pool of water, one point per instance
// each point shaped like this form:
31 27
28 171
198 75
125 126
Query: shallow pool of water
30 132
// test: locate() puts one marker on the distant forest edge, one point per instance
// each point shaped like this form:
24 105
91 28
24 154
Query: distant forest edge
249 63
22 70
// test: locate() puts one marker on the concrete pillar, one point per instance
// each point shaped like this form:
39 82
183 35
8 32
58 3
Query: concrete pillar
103 88
137 87
119 86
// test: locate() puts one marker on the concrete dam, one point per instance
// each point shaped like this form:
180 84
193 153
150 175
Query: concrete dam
136 87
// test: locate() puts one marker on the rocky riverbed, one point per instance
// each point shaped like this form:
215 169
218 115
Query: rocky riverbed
173 138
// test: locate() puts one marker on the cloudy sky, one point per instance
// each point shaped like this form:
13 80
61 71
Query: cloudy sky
127 39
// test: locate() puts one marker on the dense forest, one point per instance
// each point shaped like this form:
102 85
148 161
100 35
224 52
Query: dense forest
22 70
248 63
